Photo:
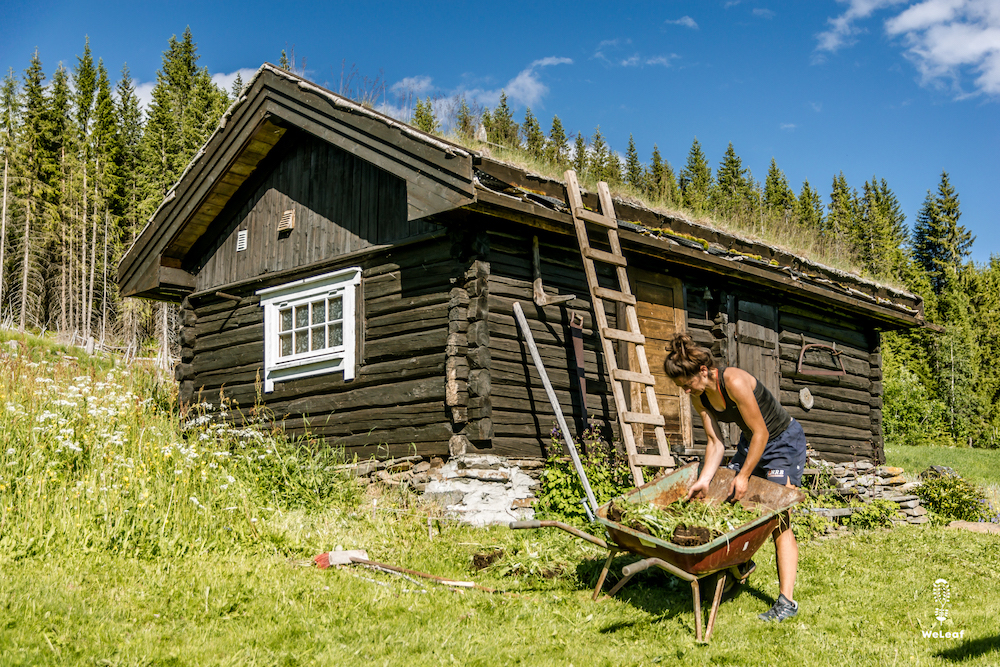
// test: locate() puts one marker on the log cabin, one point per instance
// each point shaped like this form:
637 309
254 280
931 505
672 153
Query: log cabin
355 278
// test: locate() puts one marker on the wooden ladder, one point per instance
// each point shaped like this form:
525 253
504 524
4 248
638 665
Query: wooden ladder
606 220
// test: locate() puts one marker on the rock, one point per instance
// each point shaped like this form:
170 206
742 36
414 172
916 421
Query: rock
867 480
888 471
863 465
981 527
527 464
909 486
423 466
437 462
918 519
898 480
839 471
902 499
844 482
915 511
484 475
444 498
908 504
938 471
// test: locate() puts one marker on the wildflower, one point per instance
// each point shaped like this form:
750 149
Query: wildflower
11 452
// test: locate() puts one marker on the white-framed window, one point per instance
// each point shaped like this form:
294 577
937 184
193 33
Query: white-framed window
309 327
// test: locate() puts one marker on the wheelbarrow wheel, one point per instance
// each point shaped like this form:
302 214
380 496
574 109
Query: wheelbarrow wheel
738 575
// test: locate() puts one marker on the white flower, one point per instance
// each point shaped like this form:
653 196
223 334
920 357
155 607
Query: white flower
11 452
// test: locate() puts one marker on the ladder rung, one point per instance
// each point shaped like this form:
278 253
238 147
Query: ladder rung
606 257
596 218
631 376
614 295
653 460
643 418
628 336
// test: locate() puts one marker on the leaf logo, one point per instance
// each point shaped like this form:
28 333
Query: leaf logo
942 594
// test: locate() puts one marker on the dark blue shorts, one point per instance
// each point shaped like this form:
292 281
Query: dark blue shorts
784 456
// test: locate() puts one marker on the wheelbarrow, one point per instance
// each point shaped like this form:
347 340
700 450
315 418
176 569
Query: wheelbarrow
723 555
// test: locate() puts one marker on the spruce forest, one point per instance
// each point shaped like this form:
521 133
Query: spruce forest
85 166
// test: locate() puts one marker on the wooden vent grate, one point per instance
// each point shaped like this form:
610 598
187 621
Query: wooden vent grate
241 240
287 222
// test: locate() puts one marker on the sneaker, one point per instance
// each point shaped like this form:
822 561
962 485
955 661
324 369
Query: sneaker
783 608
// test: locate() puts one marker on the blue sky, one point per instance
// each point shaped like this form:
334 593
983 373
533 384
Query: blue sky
896 89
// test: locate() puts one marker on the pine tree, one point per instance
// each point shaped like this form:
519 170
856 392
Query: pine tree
842 210
654 176
40 169
283 62
613 168
731 187
237 88
597 161
65 138
696 179
465 124
633 168
778 196
940 244
580 161
557 147
879 233
809 207
504 130
424 118
534 140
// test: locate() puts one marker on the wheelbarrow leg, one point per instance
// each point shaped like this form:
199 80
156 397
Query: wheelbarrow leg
719 587
604 573
696 592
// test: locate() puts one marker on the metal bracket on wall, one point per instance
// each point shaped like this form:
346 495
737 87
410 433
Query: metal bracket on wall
820 346
539 296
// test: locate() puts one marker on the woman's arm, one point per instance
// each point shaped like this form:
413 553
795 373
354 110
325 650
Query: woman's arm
714 451
740 386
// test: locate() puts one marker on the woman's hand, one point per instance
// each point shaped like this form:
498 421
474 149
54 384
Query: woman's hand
738 488
698 490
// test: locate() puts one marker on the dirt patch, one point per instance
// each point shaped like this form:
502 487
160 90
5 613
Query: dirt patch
484 559
691 536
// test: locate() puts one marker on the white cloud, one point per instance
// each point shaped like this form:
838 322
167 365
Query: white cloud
763 13
527 88
816 106
415 85
225 81
661 60
948 37
842 28
685 21
788 126
632 61
144 91
945 39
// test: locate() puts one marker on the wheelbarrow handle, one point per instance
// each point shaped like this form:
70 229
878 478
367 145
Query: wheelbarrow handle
572 530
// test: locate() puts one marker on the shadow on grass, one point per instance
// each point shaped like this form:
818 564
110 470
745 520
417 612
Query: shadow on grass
970 649
656 592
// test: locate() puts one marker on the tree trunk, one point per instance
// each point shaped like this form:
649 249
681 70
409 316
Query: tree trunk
93 265
3 232
104 285
24 269
83 259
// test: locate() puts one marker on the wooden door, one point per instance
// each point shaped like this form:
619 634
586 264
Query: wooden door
757 343
660 310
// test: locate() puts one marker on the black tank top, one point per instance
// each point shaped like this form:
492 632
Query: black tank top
776 418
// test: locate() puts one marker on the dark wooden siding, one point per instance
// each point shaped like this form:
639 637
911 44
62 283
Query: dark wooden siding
341 203
396 402
522 416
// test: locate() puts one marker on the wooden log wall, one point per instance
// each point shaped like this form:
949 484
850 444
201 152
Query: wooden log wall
341 204
845 422
522 417
397 402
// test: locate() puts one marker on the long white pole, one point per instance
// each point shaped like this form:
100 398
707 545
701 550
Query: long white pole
563 428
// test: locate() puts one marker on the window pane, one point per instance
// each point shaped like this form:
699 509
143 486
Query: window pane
286 341
336 334
301 342
319 338
286 319
301 316
336 309
318 312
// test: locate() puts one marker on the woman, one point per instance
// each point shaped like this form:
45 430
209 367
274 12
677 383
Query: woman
772 444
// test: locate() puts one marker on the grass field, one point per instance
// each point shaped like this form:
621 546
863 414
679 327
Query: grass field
127 541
